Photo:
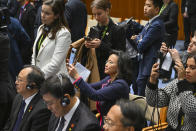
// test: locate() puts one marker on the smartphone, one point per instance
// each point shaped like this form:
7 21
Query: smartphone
72 56
87 38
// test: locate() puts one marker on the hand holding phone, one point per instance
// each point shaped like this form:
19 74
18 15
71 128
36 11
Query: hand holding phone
87 38
72 56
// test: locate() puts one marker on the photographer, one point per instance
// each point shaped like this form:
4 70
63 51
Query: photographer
178 95
106 35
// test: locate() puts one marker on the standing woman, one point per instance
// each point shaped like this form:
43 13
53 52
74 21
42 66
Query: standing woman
53 39
110 36
169 15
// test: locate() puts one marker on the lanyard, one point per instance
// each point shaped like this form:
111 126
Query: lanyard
104 32
162 8
41 41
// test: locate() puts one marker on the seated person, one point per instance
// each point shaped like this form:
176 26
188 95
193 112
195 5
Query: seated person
29 112
112 87
178 95
67 111
125 115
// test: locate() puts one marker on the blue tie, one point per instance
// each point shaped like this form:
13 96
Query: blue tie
20 114
62 122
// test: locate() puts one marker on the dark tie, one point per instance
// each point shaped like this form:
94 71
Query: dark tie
20 114
21 12
62 123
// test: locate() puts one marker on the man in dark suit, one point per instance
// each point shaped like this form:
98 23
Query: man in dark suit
68 113
188 10
76 16
149 42
29 113
26 15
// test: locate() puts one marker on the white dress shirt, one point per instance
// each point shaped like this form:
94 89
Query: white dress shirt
69 115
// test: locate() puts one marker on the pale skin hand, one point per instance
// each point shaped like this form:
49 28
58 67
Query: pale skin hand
174 54
133 37
95 43
180 69
72 71
185 15
164 48
154 73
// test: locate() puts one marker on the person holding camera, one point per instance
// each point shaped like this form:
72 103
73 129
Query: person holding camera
53 39
178 95
106 35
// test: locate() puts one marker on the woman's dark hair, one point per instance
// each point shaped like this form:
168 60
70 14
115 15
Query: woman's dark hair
132 114
125 66
191 56
101 4
58 7
157 3
57 86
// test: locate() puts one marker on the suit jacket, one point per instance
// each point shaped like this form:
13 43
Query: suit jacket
51 56
76 16
115 38
36 116
149 42
191 7
82 120
19 39
4 54
170 17
27 19
108 95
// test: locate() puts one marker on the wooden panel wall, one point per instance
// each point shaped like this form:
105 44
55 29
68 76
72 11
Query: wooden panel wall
134 8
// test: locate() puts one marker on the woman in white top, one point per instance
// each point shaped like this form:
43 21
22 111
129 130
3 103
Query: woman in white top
53 39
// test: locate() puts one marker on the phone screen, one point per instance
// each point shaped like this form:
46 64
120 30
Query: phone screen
72 56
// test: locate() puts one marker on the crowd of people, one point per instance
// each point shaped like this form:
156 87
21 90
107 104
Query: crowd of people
39 86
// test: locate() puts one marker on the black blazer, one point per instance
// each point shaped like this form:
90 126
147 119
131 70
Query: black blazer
76 16
114 39
191 6
82 119
170 17
28 19
35 118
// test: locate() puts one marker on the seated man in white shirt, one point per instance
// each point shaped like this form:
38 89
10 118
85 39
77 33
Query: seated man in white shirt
68 113
28 109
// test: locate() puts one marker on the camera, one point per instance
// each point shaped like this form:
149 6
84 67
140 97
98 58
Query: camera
4 17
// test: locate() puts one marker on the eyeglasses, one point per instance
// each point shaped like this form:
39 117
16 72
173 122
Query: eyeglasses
108 121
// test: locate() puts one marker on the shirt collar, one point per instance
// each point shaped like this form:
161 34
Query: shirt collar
150 21
28 100
69 115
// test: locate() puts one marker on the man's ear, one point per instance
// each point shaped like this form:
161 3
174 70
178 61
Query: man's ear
157 10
